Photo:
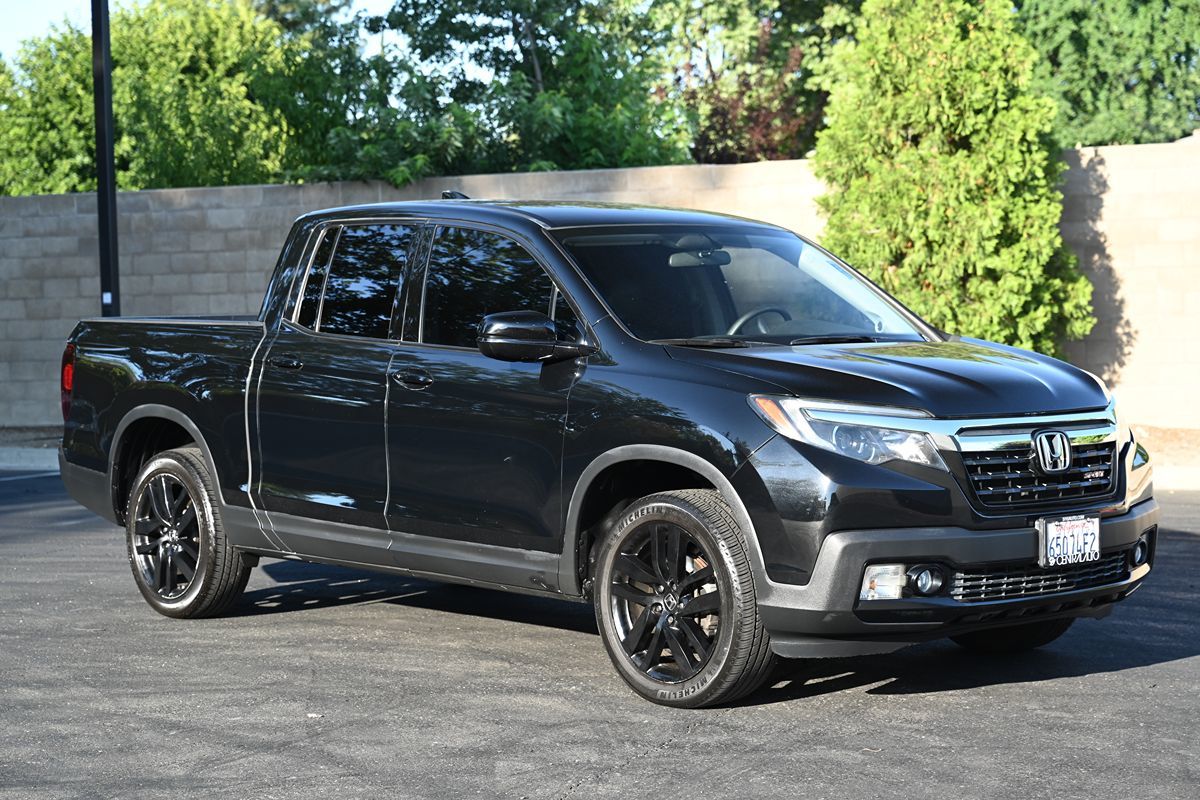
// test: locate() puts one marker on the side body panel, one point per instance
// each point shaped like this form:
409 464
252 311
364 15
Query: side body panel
319 414
475 453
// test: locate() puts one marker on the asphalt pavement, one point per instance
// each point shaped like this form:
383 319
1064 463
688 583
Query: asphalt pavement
333 683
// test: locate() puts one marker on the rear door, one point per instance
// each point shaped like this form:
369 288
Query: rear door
321 399
476 444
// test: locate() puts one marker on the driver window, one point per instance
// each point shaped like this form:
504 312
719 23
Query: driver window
473 273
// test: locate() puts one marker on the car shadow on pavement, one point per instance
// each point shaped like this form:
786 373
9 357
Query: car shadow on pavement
1154 626
304 586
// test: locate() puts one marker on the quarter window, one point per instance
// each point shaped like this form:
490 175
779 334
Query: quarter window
314 284
473 273
365 274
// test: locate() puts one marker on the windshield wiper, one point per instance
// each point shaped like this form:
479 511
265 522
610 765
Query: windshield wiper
834 339
711 341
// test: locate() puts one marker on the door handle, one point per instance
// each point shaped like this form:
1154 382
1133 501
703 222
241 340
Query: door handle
284 362
415 379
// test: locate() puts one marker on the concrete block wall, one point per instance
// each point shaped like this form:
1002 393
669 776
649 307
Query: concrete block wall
1130 212
1132 215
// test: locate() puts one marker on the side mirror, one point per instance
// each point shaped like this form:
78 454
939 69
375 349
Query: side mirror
525 336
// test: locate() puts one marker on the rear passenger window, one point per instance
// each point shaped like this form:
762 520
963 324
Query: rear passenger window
364 277
473 273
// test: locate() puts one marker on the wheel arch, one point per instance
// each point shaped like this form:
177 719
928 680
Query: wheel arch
162 425
576 528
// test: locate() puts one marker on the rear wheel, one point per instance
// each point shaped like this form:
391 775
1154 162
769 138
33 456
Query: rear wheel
1015 638
181 560
675 601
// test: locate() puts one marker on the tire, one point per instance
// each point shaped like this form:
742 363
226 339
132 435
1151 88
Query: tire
681 554
181 559
1014 638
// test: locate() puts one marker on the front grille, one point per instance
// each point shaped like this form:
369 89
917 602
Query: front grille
1008 478
1026 581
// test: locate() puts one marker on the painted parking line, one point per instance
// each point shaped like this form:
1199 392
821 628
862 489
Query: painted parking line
28 477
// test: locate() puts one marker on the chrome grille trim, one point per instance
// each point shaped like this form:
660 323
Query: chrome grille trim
1010 478
975 585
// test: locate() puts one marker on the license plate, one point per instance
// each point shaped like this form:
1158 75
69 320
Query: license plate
1068 540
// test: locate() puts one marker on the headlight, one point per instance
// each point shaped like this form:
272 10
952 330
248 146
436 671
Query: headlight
867 441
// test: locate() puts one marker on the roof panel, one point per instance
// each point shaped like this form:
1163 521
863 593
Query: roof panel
546 214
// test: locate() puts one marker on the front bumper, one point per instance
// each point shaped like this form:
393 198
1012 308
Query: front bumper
826 617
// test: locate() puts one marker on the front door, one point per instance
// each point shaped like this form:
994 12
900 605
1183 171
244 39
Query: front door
476 444
322 459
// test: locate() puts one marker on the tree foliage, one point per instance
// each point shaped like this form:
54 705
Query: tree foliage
744 73
186 81
536 84
1121 71
233 91
943 188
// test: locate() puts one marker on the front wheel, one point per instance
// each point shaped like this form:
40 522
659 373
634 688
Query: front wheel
181 559
1014 638
676 604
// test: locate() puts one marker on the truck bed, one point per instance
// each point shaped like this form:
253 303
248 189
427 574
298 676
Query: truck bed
197 367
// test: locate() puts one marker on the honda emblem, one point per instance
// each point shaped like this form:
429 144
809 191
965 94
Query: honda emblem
1053 450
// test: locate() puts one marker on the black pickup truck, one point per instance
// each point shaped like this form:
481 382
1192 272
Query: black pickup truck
725 438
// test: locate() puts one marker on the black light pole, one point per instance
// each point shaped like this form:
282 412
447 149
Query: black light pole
106 179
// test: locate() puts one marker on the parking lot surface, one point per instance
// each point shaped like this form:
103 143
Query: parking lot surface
334 683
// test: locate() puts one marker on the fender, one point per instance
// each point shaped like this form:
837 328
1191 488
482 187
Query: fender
159 411
568 576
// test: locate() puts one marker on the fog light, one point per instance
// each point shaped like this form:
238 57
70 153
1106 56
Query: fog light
926 580
1141 552
883 582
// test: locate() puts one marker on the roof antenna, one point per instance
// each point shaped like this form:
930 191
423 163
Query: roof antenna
451 194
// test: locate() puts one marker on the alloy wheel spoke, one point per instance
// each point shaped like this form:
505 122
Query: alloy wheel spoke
160 571
147 527
188 516
658 557
632 594
695 636
177 503
696 579
637 632
160 504
181 564
632 567
149 547
701 605
679 652
650 655
674 564
190 548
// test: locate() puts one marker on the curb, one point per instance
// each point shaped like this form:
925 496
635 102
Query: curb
42 459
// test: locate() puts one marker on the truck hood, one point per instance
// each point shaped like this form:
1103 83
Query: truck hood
955 378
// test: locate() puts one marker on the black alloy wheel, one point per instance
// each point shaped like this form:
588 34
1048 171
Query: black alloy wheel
182 561
676 604
166 534
666 603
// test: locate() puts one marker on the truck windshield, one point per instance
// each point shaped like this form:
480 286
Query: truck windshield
730 285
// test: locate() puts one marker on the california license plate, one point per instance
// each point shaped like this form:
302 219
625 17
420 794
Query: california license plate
1068 540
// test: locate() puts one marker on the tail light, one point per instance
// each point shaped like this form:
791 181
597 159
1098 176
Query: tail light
67 382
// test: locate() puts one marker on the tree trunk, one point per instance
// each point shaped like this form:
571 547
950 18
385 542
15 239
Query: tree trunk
531 48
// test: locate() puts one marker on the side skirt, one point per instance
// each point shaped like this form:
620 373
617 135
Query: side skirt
447 560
